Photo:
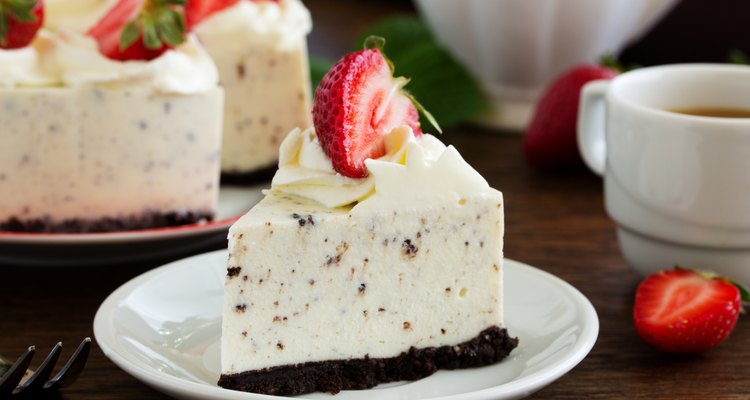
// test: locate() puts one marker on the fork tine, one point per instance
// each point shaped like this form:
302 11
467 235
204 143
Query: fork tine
69 373
41 375
14 375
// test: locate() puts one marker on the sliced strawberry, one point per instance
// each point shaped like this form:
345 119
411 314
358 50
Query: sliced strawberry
198 10
356 103
140 29
550 139
19 22
685 311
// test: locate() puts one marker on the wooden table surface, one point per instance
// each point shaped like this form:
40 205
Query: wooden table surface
554 221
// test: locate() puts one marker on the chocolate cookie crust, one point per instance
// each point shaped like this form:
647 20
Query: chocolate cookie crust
491 345
146 220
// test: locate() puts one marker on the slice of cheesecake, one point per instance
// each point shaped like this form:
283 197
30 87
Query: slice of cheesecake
407 281
375 257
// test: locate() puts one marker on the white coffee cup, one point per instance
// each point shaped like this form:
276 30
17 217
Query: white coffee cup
677 185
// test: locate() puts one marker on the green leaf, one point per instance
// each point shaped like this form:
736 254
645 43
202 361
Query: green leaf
168 28
400 32
374 42
129 35
318 68
738 57
3 28
22 10
150 35
439 82
744 292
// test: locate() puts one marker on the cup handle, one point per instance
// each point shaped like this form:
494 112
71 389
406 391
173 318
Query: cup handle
591 125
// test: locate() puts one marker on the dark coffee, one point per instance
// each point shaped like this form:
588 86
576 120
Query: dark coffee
719 112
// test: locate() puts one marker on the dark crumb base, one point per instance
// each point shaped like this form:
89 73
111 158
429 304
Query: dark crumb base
147 220
492 345
238 178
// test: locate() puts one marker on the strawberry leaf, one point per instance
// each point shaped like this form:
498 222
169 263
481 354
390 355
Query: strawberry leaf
170 27
374 42
150 35
3 27
130 34
22 10
744 292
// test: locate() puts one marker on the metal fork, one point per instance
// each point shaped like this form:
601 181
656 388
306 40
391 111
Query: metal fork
17 379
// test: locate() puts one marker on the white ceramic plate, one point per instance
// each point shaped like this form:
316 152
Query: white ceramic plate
163 328
82 249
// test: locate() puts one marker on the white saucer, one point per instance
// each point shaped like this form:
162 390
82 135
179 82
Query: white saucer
82 249
163 327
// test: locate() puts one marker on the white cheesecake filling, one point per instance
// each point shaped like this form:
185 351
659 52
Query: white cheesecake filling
312 283
413 170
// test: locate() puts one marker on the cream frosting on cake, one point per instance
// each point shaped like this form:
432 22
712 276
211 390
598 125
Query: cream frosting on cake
95 144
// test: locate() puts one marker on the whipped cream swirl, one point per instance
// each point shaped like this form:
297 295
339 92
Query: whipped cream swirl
284 22
23 67
185 69
414 170
71 59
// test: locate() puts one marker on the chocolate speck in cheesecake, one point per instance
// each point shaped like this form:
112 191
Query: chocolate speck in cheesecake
233 271
408 249
381 309
311 282
407 325
244 333
280 345
361 288
240 308
241 71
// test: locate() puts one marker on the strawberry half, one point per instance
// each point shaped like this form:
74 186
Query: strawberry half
198 10
358 102
550 139
20 20
140 29
686 311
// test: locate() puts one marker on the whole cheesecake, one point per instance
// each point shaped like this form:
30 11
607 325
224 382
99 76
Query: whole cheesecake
366 281
90 144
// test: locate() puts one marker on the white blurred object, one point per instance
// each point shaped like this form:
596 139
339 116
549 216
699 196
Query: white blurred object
516 47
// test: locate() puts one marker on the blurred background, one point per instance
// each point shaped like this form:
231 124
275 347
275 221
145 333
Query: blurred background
678 31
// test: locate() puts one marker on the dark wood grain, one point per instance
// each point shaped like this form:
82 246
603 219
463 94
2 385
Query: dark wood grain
555 221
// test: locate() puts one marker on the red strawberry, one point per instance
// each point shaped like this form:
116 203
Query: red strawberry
550 139
140 29
685 311
198 10
19 22
356 103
